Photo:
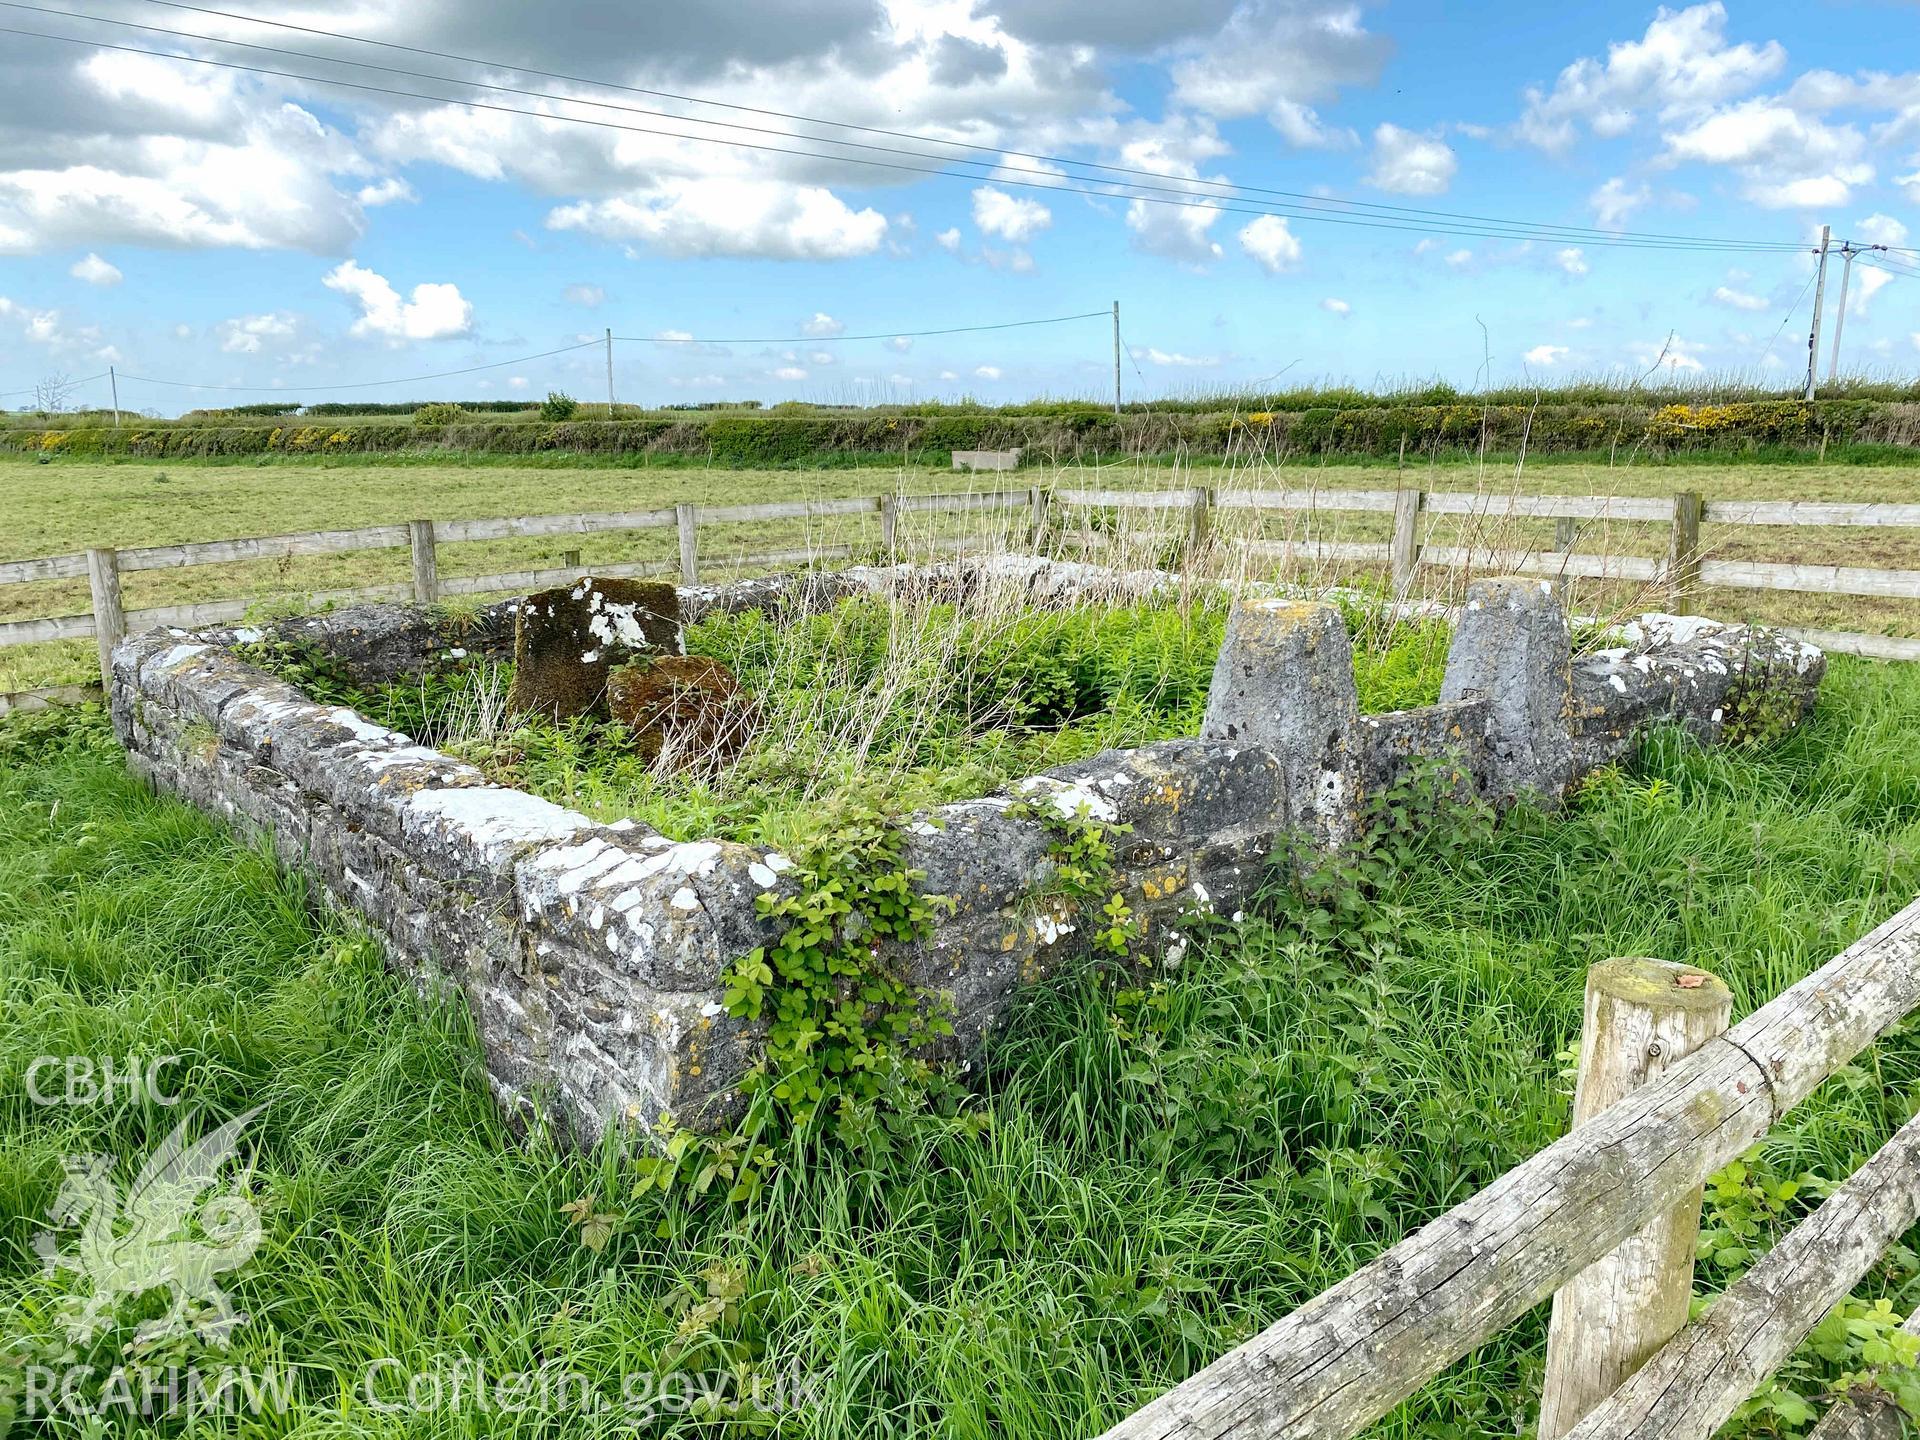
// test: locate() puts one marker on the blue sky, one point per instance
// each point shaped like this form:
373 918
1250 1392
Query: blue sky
190 223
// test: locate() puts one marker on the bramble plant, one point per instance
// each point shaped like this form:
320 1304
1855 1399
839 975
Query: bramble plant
558 406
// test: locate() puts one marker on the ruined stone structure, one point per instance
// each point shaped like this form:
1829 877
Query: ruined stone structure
592 954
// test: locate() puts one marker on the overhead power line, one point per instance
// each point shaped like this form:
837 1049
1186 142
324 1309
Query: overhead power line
1186 184
997 173
69 384
369 384
876 335
588 345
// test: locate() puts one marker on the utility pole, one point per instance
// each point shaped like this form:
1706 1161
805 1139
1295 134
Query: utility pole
1847 249
1847 252
1116 359
609 372
114 381
1819 294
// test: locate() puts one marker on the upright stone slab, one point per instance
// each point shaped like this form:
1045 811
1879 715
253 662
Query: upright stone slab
1284 684
687 711
566 640
1511 647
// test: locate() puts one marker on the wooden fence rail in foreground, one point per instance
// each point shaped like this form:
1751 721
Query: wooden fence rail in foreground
1346 1357
1683 569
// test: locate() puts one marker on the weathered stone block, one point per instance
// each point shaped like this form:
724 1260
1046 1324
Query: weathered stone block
566 640
1453 732
686 711
1731 682
1284 683
1511 648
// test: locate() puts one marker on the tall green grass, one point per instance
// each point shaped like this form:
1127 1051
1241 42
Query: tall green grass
1162 1163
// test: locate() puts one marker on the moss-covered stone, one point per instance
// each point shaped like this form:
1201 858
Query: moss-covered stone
567 640
687 710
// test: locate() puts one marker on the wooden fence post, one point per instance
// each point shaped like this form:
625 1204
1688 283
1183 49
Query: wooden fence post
1683 560
1199 518
889 523
569 559
687 517
1037 498
1566 530
109 621
426 565
1405 549
1641 1017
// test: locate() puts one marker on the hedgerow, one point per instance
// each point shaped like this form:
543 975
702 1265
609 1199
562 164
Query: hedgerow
745 439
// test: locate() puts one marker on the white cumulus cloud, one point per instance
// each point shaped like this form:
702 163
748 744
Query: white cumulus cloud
1573 260
1271 244
1614 201
1737 299
95 271
1010 217
1545 355
247 334
766 219
1405 162
1682 64
1336 307
433 312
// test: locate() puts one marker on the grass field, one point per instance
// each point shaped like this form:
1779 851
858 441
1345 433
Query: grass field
1149 1170
68 505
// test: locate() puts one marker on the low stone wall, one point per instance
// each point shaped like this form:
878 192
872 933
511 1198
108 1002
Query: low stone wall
592 954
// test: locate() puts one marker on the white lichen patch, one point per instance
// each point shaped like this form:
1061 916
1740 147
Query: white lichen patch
762 876
1072 800
685 899
495 822
178 656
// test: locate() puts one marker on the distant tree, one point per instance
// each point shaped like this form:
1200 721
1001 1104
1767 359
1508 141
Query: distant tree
53 393
558 406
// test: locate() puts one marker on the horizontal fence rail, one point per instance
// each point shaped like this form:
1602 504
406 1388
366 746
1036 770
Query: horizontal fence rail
1683 569
1346 1357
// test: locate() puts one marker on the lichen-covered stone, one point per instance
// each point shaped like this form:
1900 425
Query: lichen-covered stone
1732 683
1452 733
1510 647
566 640
593 956
373 645
684 711
1284 682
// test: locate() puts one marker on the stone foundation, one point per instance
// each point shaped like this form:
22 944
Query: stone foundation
592 955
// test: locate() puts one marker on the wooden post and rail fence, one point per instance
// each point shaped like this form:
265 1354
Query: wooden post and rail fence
1189 513
1604 1221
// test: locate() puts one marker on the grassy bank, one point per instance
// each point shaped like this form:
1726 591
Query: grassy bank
1152 1166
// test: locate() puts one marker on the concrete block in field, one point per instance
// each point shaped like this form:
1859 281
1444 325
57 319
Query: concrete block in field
1511 647
1284 683
565 640
986 459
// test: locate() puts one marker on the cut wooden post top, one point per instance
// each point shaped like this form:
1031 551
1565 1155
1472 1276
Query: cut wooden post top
1644 981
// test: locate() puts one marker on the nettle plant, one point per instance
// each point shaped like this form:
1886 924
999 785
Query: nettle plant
848 1058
